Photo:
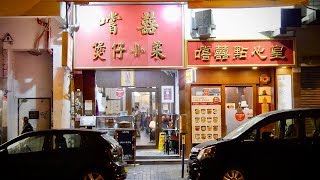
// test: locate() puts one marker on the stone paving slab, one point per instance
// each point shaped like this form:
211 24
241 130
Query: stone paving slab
157 172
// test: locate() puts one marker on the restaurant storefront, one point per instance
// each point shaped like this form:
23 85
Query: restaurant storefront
128 56
235 80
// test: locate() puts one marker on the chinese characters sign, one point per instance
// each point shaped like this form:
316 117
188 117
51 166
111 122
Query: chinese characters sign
118 36
237 53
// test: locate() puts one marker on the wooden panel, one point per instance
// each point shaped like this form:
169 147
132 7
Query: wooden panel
132 1
232 76
310 97
244 3
89 88
30 8
296 89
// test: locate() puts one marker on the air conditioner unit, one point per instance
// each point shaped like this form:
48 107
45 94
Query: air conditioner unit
202 24
312 19
204 32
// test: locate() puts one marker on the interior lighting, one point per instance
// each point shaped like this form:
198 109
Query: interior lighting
284 67
255 67
224 68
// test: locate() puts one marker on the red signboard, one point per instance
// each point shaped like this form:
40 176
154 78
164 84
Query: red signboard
241 53
124 36
119 92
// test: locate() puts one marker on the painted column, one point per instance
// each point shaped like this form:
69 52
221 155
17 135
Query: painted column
61 82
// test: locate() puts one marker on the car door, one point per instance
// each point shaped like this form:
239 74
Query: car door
311 141
254 154
65 154
27 157
74 155
266 150
281 139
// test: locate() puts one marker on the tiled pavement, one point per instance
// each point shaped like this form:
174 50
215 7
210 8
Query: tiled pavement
172 171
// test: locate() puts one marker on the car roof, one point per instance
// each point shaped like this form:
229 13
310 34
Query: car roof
70 130
286 111
255 120
54 131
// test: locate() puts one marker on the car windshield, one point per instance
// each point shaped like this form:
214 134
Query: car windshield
245 126
110 139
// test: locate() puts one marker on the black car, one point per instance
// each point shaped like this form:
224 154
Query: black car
62 154
283 144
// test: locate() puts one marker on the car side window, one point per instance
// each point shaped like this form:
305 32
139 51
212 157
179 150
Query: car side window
312 127
251 136
66 141
29 144
291 129
73 140
279 129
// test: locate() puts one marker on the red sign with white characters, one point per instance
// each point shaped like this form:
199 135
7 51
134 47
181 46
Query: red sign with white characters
240 116
241 53
124 36
119 92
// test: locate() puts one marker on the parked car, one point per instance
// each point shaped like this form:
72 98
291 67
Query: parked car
282 144
62 154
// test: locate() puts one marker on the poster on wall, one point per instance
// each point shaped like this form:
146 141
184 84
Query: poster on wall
206 114
167 94
284 91
127 78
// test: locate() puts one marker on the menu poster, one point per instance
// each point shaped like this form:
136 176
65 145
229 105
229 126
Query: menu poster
206 116
126 139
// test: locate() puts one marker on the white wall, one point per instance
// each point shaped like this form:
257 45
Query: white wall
34 76
24 32
240 23
31 78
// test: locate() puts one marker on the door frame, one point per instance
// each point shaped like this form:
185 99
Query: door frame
22 100
130 105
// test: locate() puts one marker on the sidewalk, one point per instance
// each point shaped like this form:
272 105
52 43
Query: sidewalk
157 172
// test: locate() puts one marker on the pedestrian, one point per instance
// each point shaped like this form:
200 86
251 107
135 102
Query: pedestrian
137 118
147 122
27 127
152 127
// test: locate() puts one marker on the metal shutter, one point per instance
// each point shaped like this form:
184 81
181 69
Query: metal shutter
310 87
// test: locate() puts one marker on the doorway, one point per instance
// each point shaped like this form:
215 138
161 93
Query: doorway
239 105
145 100
38 110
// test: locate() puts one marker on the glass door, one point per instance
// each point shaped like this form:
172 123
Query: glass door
142 102
239 105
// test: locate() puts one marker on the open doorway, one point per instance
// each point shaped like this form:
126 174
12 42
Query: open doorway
143 102
38 110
